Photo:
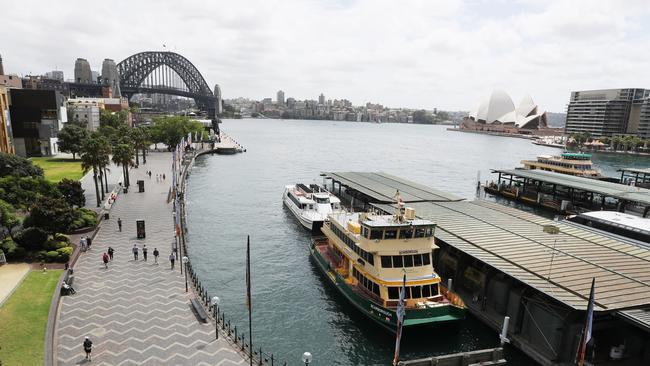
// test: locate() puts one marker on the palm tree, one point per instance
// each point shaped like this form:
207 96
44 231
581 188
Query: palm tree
91 158
123 155
141 140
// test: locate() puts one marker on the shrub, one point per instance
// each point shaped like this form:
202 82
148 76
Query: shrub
64 254
51 256
53 244
62 238
51 214
83 217
31 238
12 250
72 192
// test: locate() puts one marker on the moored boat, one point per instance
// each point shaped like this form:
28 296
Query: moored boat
310 204
578 164
365 256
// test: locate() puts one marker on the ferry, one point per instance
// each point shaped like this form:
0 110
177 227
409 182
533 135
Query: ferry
365 256
577 164
310 204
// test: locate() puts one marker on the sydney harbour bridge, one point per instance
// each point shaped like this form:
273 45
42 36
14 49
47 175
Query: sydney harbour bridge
169 73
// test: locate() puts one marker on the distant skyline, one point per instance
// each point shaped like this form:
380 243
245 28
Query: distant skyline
416 54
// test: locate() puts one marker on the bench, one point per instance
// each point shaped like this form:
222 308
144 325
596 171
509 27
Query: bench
199 310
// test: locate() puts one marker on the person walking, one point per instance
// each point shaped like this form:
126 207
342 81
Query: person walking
82 244
172 259
88 347
105 260
135 252
144 252
156 253
110 253
119 224
163 176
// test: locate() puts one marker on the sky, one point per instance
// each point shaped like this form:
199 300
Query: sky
445 54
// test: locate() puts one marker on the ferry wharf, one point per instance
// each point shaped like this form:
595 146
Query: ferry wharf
569 194
136 312
538 272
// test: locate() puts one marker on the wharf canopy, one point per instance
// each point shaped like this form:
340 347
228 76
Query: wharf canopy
498 108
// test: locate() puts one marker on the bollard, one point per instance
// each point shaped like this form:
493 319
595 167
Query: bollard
504 331
243 341
449 284
228 327
261 357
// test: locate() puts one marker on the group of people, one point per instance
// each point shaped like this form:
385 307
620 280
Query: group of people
159 177
84 243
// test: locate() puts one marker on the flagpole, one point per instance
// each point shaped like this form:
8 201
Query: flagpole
248 299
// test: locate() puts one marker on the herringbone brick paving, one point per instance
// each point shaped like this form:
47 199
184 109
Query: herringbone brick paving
136 313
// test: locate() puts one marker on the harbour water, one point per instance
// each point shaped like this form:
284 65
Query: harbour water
294 310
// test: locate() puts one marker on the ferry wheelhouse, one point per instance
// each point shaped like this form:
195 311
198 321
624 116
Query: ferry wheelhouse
577 164
310 204
365 256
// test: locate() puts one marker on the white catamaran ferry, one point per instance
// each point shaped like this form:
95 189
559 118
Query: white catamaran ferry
310 205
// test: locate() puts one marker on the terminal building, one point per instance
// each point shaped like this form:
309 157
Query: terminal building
609 112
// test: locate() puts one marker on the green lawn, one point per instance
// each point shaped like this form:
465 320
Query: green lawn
23 319
56 168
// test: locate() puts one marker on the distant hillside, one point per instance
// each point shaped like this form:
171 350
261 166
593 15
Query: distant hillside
556 119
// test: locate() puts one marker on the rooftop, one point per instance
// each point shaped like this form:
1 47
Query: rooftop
636 170
381 187
615 190
622 219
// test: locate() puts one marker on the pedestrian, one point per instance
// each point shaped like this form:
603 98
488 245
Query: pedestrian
110 253
88 347
157 178
105 260
163 176
156 253
83 243
119 224
172 259
144 252
150 174
135 252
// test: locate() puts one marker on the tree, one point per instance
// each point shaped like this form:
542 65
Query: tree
17 166
123 155
22 192
113 119
422 116
71 138
8 218
92 156
170 130
52 215
72 192
141 140
31 238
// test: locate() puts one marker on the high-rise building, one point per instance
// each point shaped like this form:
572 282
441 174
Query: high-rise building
608 112
110 76
36 118
217 94
280 97
54 75
6 137
82 73
2 69
321 99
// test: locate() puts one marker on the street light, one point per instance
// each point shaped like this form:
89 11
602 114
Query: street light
185 260
215 304
306 358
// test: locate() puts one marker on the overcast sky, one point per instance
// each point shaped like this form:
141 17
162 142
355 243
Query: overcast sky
447 54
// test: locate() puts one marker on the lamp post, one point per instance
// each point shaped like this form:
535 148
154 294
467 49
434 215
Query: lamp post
306 358
215 305
185 260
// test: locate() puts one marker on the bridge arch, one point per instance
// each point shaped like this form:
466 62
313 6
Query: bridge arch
143 66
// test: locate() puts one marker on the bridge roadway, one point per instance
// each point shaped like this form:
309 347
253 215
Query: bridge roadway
136 313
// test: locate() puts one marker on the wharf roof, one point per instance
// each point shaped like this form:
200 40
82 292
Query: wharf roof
636 170
639 317
609 189
381 187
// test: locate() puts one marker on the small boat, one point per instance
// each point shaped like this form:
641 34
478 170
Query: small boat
310 204
578 164
365 256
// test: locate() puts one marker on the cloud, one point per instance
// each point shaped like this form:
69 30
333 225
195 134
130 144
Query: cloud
424 54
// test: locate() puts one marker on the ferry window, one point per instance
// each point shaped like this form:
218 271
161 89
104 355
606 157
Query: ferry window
407 293
434 289
426 291
390 234
375 289
376 234
371 258
417 260
416 292
386 261
393 293
406 233
397 261
426 259
420 232
365 232
408 261
429 232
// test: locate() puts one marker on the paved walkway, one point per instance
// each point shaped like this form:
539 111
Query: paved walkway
136 313
113 176
10 277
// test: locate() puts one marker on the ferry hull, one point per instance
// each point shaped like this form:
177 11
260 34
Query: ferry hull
381 315
312 226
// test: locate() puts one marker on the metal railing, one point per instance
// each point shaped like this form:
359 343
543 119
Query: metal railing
223 325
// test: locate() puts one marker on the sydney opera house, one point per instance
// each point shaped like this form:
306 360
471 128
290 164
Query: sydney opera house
498 113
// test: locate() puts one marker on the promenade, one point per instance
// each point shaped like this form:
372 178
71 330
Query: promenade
136 312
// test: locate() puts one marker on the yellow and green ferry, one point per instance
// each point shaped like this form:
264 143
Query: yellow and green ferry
365 257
